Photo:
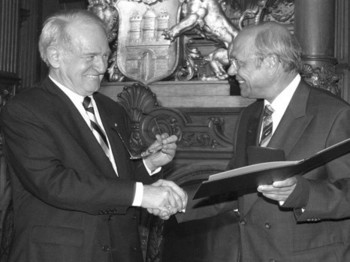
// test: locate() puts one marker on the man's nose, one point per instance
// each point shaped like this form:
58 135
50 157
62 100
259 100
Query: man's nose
232 70
101 64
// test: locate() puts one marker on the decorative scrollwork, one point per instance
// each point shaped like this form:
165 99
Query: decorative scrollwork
163 120
138 100
147 2
210 136
190 69
323 77
256 12
149 119
5 95
281 11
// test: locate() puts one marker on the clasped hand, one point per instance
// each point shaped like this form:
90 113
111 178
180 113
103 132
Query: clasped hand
164 198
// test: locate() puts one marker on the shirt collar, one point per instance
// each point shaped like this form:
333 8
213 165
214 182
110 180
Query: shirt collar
76 98
281 102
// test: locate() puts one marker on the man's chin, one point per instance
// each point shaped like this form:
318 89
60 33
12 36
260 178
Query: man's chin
92 88
244 93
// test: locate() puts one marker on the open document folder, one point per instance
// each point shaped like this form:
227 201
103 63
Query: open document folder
266 173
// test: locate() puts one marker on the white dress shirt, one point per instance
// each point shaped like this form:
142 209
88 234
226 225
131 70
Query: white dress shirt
77 100
281 102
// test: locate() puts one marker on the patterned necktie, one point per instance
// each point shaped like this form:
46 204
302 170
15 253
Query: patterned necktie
266 126
96 129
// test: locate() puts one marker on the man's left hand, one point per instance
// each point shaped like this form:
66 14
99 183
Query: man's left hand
279 190
161 152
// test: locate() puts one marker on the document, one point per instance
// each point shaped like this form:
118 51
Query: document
251 176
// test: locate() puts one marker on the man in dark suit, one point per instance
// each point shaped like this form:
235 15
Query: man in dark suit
303 218
76 192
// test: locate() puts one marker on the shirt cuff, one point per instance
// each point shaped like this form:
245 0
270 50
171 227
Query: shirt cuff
150 171
300 196
138 195
139 187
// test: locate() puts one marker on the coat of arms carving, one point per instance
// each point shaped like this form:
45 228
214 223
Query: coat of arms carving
142 53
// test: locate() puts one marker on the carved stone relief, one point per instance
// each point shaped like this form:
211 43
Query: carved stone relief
141 52
145 38
145 35
281 11
149 119
323 77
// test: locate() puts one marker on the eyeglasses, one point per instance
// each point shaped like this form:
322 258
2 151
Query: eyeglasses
240 63
134 156
237 63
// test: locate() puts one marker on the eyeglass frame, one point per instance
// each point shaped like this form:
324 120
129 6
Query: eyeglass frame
237 63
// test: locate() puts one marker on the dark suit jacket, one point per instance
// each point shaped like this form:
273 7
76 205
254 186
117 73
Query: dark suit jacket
313 121
69 205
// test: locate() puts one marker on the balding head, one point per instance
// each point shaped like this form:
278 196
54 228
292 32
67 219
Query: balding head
271 38
55 30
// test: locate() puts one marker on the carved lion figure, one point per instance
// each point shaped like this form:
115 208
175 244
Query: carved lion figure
207 17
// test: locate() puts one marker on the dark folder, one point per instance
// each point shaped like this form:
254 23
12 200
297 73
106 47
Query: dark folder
251 176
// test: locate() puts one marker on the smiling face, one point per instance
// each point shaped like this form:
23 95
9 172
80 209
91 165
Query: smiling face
81 66
248 67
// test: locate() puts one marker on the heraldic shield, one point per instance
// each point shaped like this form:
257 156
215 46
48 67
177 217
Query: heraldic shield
143 54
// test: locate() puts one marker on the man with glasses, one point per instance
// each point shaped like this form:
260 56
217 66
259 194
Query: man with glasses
303 218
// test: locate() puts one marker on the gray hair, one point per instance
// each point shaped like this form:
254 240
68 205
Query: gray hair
274 39
54 32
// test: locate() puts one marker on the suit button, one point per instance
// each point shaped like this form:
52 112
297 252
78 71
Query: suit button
105 248
267 225
243 222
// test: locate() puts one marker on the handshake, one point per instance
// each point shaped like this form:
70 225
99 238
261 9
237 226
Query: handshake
164 198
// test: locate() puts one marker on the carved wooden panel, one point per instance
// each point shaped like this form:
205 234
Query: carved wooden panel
205 134
204 145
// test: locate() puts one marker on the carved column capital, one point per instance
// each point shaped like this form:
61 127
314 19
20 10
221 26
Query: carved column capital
315 30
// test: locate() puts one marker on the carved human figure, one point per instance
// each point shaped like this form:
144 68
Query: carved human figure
208 18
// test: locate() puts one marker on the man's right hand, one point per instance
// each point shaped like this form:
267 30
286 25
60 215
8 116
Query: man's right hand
164 198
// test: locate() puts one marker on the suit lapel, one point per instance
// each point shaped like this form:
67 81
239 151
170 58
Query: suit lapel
254 127
79 130
248 136
294 121
114 126
292 126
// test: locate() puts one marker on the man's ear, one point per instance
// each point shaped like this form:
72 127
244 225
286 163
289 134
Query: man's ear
53 56
271 61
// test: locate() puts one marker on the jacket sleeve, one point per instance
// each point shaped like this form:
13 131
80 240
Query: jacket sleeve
59 172
324 193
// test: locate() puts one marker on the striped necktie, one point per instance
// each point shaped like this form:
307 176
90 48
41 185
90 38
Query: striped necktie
266 126
95 128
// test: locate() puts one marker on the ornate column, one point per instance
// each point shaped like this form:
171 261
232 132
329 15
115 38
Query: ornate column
315 30
342 47
9 80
